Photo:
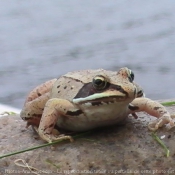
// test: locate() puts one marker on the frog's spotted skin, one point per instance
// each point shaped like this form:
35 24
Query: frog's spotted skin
83 100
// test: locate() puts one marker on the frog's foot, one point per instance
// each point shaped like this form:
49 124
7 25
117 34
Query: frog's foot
54 136
156 124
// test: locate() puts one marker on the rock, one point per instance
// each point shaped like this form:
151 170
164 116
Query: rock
125 149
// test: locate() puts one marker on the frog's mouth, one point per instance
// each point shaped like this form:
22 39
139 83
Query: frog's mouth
99 98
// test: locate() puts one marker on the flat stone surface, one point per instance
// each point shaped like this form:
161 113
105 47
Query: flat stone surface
127 149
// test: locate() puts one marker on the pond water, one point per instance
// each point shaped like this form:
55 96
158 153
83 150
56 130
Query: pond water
40 40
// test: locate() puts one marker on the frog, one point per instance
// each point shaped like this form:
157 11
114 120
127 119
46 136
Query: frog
87 99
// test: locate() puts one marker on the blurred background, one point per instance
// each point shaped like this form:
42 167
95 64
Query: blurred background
40 40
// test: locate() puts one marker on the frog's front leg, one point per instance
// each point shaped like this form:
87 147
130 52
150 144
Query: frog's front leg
55 110
152 108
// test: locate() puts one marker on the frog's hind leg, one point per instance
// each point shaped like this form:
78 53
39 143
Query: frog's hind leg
32 110
35 102
40 90
152 108
55 111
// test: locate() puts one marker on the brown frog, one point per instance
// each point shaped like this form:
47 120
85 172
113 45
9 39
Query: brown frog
87 99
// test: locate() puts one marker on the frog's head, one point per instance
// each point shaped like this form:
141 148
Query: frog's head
109 87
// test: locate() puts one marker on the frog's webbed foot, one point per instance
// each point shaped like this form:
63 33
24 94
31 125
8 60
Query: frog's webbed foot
152 108
55 111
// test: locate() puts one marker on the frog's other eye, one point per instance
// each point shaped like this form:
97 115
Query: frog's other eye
131 76
99 82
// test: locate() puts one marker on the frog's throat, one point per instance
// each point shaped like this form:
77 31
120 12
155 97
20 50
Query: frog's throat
99 97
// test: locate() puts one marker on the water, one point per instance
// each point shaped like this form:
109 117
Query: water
40 40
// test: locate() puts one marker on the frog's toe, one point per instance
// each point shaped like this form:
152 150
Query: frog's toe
61 138
153 126
54 138
156 124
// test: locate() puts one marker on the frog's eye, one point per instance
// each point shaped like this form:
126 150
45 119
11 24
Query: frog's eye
131 76
99 82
